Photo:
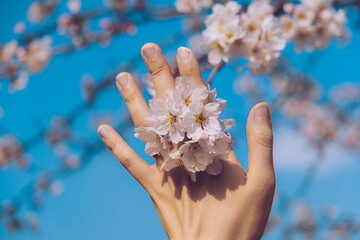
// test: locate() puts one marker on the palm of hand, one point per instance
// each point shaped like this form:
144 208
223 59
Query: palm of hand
233 205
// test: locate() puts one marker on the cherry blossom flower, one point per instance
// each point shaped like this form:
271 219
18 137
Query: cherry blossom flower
154 143
11 150
117 5
222 30
41 10
20 82
202 120
255 35
187 6
166 117
37 54
8 51
314 24
187 94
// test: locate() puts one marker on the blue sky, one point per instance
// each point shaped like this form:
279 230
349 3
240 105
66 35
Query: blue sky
102 201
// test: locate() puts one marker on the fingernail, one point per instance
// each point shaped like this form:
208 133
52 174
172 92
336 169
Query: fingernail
184 54
262 112
123 81
103 132
149 52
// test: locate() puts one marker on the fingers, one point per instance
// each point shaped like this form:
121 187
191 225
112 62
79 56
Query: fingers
189 66
133 97
158 68
136 166
260 141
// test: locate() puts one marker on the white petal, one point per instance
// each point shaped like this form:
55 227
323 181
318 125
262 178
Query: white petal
195 132
199 93
176 135
152 148
170 163
212 109
196 107
145 133
227 123
212 126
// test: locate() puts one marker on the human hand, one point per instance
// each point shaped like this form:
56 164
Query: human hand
233 205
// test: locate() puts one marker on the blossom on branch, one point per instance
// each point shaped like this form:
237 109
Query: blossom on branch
255 35
40 10
188 6
313 23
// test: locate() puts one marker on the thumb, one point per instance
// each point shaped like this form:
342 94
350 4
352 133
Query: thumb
260 142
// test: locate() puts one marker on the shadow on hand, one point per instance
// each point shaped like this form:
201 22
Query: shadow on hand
231 177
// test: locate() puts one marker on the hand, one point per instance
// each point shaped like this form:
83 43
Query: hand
233 205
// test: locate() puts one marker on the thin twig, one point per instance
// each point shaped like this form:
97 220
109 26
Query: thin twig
215 70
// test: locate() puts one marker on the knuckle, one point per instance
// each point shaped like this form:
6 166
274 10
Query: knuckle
264 138
130 97
125 162
158 69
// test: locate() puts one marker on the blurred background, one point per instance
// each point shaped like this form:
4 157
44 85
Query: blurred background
58 62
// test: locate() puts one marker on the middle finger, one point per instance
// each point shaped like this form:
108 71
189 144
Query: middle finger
158 68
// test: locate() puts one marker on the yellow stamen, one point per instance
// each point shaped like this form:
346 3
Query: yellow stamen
229 35
172 119
200 118
187 102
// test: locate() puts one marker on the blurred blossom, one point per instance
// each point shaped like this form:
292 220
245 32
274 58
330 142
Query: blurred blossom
74 6
8 51
248 85
187 6
20 27
319 126
61 150
149 84
117 5
101 118
37 54
59 131
313 23
196 43
345 95
20 82
112 28
88 88
294 86
305 220
11 151
56 188
32 220
72 161
40 10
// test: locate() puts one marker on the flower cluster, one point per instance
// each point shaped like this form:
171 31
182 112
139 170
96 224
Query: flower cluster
41 10
187 6
255 35
11 151
16 61
189 118
313 23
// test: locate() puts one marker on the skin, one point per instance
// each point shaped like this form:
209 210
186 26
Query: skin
233 205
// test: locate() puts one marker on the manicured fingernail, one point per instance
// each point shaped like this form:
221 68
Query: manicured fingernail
123 81
103 132
262 112
149 52
184 54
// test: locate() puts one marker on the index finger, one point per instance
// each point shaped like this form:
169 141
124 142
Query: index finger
134 98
